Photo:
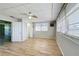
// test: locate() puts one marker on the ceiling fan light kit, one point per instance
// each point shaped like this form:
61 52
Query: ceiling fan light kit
30 17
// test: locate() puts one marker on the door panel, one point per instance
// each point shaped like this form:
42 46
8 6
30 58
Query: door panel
5 31
1 34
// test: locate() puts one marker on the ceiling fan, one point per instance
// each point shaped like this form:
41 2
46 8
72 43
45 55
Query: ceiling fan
18 19
30 15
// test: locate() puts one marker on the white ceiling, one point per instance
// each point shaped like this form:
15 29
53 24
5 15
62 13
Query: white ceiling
44 11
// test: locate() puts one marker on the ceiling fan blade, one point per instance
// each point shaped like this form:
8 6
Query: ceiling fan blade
29 15
18 19
34 16
13 17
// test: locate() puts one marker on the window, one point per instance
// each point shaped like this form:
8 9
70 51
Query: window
37 27
64 28
61 25
58 26
70 24
74 23
41 26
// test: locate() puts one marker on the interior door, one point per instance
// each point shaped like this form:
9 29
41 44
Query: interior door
5 31
1 33
17 31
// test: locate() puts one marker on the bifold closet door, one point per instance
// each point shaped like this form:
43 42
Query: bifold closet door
17 32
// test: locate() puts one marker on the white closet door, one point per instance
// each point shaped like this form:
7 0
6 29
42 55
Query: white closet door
17 32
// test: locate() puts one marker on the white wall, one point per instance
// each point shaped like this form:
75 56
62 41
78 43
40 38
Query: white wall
28 28
45 34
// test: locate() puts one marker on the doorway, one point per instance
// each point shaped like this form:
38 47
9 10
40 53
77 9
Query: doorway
5 31
30 30
1 33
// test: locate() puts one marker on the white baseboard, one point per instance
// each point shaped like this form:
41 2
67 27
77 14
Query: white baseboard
60 48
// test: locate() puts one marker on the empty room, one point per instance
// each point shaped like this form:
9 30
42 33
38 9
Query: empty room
39 29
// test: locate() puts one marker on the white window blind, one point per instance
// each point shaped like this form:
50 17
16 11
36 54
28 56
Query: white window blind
74 23
61 26
61 23
69 24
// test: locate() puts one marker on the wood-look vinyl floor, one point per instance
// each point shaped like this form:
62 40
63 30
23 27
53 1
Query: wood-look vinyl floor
31 47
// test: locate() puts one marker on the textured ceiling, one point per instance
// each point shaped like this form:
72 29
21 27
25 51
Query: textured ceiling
44 11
